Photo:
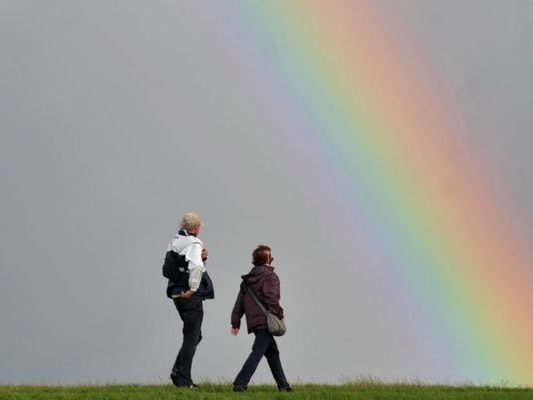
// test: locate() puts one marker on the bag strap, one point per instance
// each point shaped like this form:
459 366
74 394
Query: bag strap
254 296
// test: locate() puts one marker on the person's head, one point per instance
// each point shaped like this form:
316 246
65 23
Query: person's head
262 255
192 223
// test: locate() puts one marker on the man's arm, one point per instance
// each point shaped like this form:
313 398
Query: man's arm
196 268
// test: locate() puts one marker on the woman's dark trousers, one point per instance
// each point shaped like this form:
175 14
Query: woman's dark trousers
191 313
264 345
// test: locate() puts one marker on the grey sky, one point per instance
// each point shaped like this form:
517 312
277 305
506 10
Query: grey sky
116 117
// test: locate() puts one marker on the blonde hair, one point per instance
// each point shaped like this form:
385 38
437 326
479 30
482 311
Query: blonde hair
191 220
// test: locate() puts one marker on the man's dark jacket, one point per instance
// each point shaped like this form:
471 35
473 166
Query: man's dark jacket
265 283
181 284
204 292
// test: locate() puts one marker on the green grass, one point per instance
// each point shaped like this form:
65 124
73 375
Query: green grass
357 390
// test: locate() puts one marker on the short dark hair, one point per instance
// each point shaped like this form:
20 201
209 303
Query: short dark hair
261 255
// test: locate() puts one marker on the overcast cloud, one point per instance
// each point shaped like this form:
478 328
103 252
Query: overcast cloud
118 116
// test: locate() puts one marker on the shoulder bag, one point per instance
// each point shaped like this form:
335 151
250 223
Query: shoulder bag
276 327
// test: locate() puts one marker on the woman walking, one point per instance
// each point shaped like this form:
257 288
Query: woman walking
265 284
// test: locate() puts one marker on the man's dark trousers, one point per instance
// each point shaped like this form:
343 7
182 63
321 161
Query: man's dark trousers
191 312
264 345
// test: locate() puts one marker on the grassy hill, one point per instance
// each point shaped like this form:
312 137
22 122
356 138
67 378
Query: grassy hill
360 390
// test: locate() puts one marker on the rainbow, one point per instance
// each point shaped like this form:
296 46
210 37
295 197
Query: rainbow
390 143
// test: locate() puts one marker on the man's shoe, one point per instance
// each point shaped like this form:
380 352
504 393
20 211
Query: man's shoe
285 389
175 381
174 378
238 388
191 386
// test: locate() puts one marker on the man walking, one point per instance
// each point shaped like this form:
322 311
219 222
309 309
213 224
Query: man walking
188 292
265 284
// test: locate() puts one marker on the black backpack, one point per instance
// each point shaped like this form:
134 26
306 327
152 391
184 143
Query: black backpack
174 266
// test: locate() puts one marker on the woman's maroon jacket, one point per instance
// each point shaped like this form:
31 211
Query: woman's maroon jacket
265 283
